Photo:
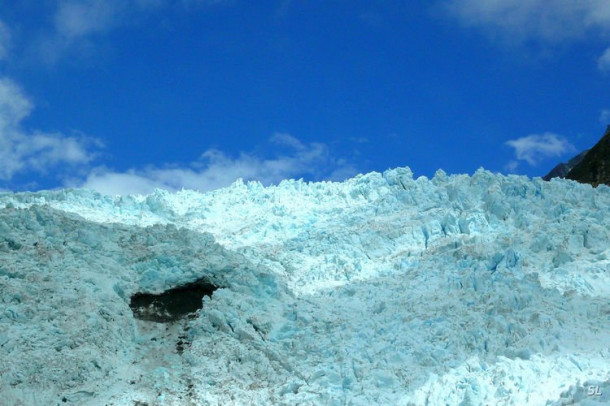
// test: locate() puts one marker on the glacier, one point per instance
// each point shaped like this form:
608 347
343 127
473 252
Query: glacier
382 289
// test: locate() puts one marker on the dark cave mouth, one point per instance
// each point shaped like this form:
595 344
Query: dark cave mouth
173 304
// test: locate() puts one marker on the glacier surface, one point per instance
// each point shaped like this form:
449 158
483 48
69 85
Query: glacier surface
383 289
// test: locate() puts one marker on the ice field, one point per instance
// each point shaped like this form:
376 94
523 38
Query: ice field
383 289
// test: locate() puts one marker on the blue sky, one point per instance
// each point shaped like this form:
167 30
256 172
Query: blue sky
125 96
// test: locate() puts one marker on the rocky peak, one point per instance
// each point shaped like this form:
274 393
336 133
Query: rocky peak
595 165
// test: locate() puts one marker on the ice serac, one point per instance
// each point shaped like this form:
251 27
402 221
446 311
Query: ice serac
382 289
594 168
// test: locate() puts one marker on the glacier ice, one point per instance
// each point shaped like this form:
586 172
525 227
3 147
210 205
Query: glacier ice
383 289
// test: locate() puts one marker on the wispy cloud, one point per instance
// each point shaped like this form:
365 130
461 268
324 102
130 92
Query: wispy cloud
603 62
77 19
288 140
77 26
604 117
511 166
24 151
535 148
540 21
30 151
216 169
550 21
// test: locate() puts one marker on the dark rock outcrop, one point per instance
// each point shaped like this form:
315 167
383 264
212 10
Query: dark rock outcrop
594 168
561 170
172 304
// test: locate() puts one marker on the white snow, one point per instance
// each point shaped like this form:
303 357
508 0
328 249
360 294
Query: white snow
382 289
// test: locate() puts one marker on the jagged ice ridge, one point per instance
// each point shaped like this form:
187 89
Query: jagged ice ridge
382 289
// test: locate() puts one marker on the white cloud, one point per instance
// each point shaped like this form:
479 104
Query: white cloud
540 21
114 183
75 19
604 116
215 169
23 151
534 148
79 25
76 24
511 166
288 140
603 63
343 170
546 20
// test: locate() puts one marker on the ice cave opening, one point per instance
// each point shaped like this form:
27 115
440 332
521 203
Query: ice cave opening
173 304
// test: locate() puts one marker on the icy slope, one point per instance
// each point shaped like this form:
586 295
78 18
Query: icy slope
381 289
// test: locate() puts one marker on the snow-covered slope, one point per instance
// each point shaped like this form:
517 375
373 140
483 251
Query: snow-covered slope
379 290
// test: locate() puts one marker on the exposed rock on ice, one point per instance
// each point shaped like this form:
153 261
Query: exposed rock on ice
171 304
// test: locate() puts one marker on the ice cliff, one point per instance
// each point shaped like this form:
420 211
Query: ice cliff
383 289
